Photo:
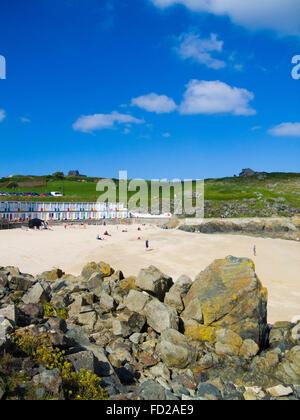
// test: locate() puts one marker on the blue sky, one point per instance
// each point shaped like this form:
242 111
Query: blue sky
160 88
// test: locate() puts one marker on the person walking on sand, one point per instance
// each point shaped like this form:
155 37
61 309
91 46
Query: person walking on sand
147 244
254 250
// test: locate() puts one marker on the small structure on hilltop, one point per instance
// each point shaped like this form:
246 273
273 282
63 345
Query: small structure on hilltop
75 173
249 172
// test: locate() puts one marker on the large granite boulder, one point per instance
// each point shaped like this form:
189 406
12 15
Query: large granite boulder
178 292
231 297
136 301
154 282
289 369
101 268
39 293
160 316
21 282
174 349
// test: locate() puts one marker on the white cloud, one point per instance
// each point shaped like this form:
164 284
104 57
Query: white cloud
199 49
286 129
166 135
25 120
214 97
239 67
90 123
160 104
2 115
279 15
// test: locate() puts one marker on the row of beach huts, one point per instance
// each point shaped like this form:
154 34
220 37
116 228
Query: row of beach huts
12 211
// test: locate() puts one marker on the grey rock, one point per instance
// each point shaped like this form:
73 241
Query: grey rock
178 292
6 327
275 336
4 278
107 302
193 310
160 370
10 312
21 283
39 293
102 365
180 390
288 370
51 380
82 359
296 332
201 378
121 328
154 282
57 324
79 335
249 349
95 281
174 350
136 301
127 374
88 320
151 391
160 316
61 340
137 322
280 391
75 308
60 301
232 393
120 354
3 291
135 338
32 310
206 390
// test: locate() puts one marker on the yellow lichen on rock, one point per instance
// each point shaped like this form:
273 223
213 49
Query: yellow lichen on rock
228 342
232 296
105 269
199 332
128 284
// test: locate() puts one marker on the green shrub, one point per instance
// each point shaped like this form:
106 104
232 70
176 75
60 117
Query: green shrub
77 386
50 311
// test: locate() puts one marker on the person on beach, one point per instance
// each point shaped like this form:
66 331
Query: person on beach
254 250
147 244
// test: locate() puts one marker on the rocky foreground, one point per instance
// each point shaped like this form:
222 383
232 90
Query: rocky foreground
103 336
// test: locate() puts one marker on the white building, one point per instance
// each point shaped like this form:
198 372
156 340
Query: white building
14 211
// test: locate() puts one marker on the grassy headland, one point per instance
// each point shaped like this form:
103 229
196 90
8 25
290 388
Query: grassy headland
267 194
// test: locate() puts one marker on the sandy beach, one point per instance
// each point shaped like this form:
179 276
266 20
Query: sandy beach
172 251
